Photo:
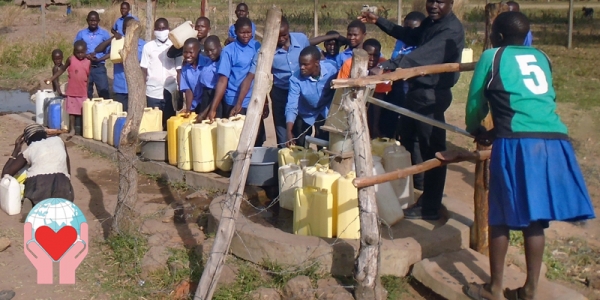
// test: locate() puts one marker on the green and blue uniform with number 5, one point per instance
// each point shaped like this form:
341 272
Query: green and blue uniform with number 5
534 175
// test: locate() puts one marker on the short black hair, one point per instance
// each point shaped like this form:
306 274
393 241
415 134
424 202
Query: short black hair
240 5
212 39
241 22
80 43
57 52
126 4
513 26
125 21
93 13
192 41
311 51
205 19
160 20
415 16
373 43
284 21
332 32
358 24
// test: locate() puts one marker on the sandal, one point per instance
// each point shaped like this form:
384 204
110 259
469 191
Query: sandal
6 294
474 290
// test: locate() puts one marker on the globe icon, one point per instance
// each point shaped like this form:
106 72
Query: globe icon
55 213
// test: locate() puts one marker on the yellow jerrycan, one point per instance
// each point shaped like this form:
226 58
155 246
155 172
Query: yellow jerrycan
113 106
290 178
379 144
228 136
184 146
304 153
87 116
313 212
396 157
204 146
172 125
151 120
284 157
323 159
346 201
115 47
112 119
325 179
100 110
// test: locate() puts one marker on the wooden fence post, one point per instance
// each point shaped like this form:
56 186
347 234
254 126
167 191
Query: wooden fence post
262 85
204 8
149 21
480 231
316 18
368 283
126 155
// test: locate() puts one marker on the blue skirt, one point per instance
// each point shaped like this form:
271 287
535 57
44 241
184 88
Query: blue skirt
536 180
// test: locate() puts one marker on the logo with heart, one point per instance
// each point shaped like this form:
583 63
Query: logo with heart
56 243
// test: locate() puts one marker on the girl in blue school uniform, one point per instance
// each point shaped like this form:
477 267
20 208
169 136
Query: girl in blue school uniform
534 175
234 65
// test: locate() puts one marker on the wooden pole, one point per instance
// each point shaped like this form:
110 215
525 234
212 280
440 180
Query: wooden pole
262 84
204 8
570 33
43 19
366 267
400 12
402 74
316 18
149 20
126 154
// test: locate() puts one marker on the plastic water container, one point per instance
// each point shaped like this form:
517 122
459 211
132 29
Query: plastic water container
184 146
313 209
284 156
117 130
228 137
47 103
379 144
204 146
40 99
388 206
290 178
86 114
10 195
115 47
182 33
112 119
467 55
54 116
64 120
396 157
346 200
20 177
324 178
100 110
151 120
172 125
105 130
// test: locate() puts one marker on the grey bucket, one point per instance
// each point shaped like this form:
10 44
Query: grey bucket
153 145
263 167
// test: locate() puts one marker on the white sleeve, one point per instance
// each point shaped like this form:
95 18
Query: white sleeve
145 62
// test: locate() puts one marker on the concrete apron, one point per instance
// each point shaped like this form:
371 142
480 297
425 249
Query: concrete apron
403 245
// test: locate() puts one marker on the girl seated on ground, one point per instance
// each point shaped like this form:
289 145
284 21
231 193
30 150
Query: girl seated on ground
49 173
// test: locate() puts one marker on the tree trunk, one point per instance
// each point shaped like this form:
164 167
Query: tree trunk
126 154
149 20
570 30
368 284
316 18
262 86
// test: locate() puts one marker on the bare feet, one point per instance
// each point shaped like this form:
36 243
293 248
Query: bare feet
478 291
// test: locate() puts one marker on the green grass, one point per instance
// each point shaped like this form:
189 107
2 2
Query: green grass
396 287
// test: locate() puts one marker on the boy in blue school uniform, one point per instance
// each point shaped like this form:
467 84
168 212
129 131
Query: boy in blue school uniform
234 65
285 63
241 11
355 36
310 96
332 48
117 29
190 75
514 6
121 93
208 76
94 36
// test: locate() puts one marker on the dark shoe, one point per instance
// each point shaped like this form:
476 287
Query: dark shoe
415 213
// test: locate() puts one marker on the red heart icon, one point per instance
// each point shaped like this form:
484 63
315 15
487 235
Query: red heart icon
56 243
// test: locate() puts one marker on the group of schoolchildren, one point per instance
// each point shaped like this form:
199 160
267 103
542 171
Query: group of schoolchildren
217 81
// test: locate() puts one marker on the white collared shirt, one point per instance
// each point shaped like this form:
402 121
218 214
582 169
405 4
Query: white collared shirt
162 73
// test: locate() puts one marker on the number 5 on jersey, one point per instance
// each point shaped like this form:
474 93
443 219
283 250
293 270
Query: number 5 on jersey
537 83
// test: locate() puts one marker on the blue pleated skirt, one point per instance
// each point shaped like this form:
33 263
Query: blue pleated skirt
536 180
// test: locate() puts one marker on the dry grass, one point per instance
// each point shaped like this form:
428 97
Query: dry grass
459 8
10 14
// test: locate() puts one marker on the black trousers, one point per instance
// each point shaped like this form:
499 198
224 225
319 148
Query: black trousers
423 141
301 129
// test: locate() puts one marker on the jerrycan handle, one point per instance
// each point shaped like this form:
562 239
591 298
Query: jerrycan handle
321 168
